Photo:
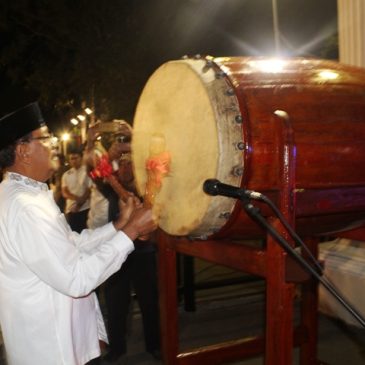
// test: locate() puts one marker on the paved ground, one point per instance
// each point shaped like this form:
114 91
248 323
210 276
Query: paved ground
217 321
237 311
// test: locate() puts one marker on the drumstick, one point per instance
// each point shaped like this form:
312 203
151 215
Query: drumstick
157 167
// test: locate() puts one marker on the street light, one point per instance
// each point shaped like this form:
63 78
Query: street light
74 121
276 27
83 127
65 138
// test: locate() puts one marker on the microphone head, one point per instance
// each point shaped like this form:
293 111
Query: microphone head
210 186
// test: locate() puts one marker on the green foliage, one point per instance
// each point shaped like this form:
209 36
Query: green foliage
76 51
101 52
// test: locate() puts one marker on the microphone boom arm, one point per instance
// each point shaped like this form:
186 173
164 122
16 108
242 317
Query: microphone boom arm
215 187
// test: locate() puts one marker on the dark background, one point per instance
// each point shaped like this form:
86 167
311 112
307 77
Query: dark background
99 53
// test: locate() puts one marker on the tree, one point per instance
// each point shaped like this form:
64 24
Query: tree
66 52
69 52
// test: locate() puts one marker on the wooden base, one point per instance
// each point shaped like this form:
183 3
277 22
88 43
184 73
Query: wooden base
280 336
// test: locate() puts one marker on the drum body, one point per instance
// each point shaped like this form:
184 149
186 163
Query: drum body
218 119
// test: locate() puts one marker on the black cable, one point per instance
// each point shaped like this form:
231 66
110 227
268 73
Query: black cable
290 230
261 197
256 215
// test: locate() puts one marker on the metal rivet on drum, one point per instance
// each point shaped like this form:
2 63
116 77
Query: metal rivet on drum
238 118
207 66
237 171
220 74
225 215
240 146
230 92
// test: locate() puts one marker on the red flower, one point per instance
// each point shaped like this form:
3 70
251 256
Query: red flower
102 169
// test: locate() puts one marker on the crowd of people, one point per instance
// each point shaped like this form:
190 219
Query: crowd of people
67 239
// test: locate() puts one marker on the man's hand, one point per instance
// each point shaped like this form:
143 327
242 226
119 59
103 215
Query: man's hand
141 223
92 135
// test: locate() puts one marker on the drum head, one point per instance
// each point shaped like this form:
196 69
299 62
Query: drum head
184 107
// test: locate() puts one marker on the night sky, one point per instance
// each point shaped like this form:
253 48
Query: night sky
155 31
244 27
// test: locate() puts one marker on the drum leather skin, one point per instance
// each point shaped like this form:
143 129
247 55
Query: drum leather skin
221 119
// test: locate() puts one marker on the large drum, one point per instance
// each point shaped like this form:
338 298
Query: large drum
219 119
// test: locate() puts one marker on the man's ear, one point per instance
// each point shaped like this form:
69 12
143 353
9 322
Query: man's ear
22 152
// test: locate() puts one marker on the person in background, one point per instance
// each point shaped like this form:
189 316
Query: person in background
75 185
49 314
55 181
99 208
97 144
140 271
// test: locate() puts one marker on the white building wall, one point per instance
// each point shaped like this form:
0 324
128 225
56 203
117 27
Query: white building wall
351 31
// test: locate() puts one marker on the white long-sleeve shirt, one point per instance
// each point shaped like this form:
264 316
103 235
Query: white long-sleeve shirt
47 272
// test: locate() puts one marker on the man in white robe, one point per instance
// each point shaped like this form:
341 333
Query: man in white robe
49 314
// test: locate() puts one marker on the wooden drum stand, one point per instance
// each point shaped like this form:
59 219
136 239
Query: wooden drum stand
271 263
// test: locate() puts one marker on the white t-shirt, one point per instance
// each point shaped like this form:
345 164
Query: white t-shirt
77 181
47 272
99 209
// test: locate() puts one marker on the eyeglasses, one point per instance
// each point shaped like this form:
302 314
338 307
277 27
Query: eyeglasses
46 139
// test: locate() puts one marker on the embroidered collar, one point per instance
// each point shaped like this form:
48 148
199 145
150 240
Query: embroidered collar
26 180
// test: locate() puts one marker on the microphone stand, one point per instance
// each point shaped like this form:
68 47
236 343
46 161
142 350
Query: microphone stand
255 214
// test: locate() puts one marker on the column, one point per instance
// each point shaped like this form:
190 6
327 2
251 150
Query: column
351 31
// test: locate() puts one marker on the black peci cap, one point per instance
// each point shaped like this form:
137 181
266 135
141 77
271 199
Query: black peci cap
19 123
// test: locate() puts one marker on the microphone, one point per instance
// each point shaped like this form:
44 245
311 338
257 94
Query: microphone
215 187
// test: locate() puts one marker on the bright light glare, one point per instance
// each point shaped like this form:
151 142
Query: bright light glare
81 117
74 121
88 111
65 136
273 65
328 75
